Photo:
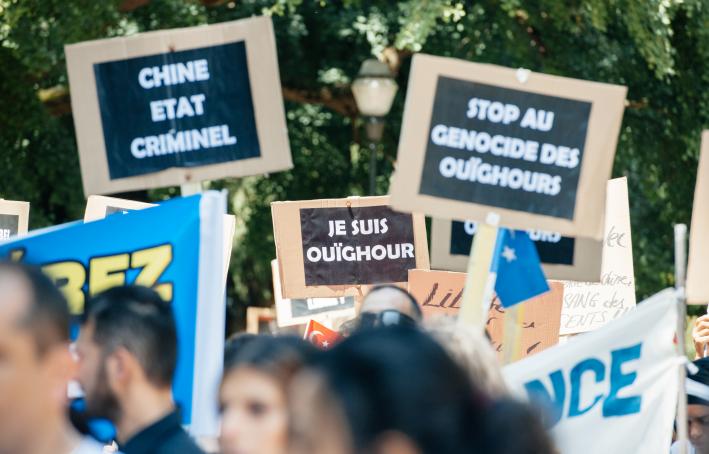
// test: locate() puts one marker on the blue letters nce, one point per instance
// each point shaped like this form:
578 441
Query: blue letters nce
583 398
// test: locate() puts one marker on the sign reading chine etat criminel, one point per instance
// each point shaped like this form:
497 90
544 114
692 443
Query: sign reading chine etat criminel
175 106
335 247
535 149
14 217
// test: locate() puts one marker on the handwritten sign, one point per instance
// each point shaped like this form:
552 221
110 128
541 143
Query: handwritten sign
563 258
588 306
169 107
476 139
299 311
14 217
439 294
698 265
332 248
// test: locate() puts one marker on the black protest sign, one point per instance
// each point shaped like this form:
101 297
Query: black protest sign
177 106
363 245
552 247
14 217
334 247
533 148
180 109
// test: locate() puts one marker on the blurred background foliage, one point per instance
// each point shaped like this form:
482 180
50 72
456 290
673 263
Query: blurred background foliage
658 48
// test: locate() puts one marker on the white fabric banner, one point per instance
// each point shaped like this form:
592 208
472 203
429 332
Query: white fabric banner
613 390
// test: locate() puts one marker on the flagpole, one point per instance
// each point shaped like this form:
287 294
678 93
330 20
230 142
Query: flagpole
479 281
680 276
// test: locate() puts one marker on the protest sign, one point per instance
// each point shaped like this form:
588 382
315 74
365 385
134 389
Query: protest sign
612 390
98 207
590 305
563 258
535 149
260 320
440 293
299 311
170 107
334 247
183 264
14 218
698 264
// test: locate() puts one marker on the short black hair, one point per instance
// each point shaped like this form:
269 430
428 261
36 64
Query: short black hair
139 320
48 315
409 296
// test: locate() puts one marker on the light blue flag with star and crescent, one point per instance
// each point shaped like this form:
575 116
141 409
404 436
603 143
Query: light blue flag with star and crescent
519 271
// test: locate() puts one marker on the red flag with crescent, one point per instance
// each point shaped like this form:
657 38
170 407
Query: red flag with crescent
320 335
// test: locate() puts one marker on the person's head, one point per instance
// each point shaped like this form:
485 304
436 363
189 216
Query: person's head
383 391
35 361
127 346
698 406
253 394
382 299
472 351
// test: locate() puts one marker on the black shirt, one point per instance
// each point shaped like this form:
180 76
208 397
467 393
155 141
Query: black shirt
165 436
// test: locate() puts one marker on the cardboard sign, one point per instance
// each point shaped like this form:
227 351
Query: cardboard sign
588 306
170 107
182 264
14 218
334 247
535 149
98 207
698 265
260 320
563 258
439 293
299 311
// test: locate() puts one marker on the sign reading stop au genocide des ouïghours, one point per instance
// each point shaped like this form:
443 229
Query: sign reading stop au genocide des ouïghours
534 148
168 107
334 247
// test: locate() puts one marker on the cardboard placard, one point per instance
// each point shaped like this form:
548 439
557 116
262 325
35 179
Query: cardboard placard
300 311
14 218
260 320
170 107
335 247
440 292
588 306
98 207
535 149
563 258
698 265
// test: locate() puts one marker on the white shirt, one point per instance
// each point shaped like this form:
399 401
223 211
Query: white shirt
89 446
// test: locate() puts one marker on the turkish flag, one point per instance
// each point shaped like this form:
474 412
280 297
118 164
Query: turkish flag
320 335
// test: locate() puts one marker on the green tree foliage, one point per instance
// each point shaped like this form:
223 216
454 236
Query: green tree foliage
658 48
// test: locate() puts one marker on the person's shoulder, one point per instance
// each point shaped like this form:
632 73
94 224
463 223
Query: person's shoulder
180 442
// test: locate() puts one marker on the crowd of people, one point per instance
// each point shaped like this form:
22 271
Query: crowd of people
396 384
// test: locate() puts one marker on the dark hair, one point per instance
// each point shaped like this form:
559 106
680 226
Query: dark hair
512 417
280 357
409 296
399 379
139 320
48 315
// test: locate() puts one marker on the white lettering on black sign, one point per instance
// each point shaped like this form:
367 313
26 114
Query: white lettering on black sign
9 226
553 249
505 148
363 245
179 109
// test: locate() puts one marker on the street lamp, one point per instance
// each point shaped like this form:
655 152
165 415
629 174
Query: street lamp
374 90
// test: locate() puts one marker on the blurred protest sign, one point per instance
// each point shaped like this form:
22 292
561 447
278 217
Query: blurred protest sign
536 149
320 335
170 107
183 264
612 390
563 258
334 247
698 264
299 311
98 207
587 305
260 320
440 293
14 218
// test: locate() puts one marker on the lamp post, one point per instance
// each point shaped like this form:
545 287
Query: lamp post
374 90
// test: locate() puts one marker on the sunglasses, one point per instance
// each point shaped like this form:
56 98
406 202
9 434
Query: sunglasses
385 318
